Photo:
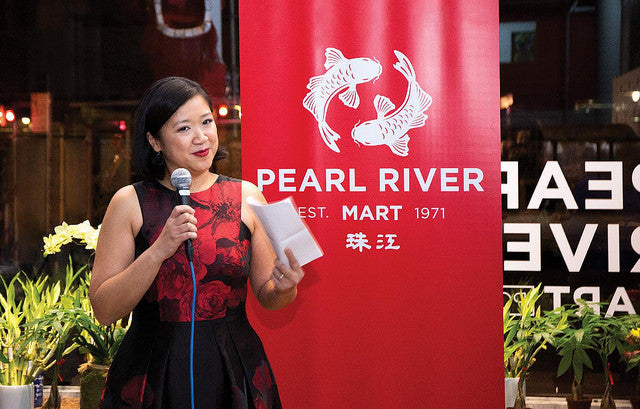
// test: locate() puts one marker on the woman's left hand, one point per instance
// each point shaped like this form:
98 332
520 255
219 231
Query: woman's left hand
283 277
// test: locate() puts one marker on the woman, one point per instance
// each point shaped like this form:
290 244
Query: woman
141 266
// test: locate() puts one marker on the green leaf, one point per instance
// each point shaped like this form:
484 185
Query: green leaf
583 357
564 364
510 335
578 370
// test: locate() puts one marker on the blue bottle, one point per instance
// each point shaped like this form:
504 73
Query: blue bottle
38 391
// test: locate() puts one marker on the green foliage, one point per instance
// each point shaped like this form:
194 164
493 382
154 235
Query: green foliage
27 349
576 339
630 328
528 332
101 342
576 331
588 330
38 318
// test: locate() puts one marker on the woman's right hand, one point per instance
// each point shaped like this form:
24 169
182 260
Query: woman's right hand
180 226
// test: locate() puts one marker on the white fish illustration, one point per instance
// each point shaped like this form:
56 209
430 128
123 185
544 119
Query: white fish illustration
392 130
342 75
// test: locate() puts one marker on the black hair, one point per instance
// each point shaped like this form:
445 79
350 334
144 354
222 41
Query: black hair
159 103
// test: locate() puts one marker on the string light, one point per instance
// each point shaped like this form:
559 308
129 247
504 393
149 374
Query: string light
223 110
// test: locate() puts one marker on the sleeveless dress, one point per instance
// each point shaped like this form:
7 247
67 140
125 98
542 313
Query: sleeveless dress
151 368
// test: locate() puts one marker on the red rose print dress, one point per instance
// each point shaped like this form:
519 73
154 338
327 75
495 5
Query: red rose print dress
151 369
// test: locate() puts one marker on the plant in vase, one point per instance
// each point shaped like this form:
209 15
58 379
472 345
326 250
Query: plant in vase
56 321
99 342
26 349
630 328
610 340
74 295
33 333
573 343
526 333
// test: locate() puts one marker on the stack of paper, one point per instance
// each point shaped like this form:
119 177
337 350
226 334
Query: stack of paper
285 229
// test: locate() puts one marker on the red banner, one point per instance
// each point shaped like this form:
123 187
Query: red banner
381 119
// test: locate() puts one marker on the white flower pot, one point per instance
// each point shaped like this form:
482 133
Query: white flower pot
511 391
16 397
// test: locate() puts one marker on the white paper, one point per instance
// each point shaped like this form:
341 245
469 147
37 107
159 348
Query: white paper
285 229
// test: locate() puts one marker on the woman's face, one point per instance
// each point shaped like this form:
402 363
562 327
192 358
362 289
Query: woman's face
189 139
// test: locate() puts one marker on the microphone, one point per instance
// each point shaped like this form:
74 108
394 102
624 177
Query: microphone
181 180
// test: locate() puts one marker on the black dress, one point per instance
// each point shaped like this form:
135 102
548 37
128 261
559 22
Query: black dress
151 369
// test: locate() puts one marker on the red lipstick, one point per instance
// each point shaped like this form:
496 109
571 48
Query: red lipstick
203 152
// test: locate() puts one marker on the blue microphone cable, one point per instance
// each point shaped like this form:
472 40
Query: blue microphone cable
181 180
193 313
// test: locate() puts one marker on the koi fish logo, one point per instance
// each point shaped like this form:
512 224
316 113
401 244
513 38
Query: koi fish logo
341 77
391 130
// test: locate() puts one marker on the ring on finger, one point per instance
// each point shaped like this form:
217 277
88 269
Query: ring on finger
281 275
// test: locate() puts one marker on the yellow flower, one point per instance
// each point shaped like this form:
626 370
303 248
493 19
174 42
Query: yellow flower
87 234
635 332
72 231
91 239
52 244
83 232
82 229
64 233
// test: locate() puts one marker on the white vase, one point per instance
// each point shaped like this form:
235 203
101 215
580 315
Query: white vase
16 397
511 391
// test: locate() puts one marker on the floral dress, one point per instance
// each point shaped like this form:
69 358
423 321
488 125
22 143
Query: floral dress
151 369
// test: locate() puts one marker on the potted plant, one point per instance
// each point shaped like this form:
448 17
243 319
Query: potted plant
25 349
34 319
573 343
99 342
56 321
630 328
526 333
609 341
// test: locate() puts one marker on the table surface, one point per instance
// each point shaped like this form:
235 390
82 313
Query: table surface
539 402
71 400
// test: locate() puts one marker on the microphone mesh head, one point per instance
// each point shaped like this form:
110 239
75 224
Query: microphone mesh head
181 178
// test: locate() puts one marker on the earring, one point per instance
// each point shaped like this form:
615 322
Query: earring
158 160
